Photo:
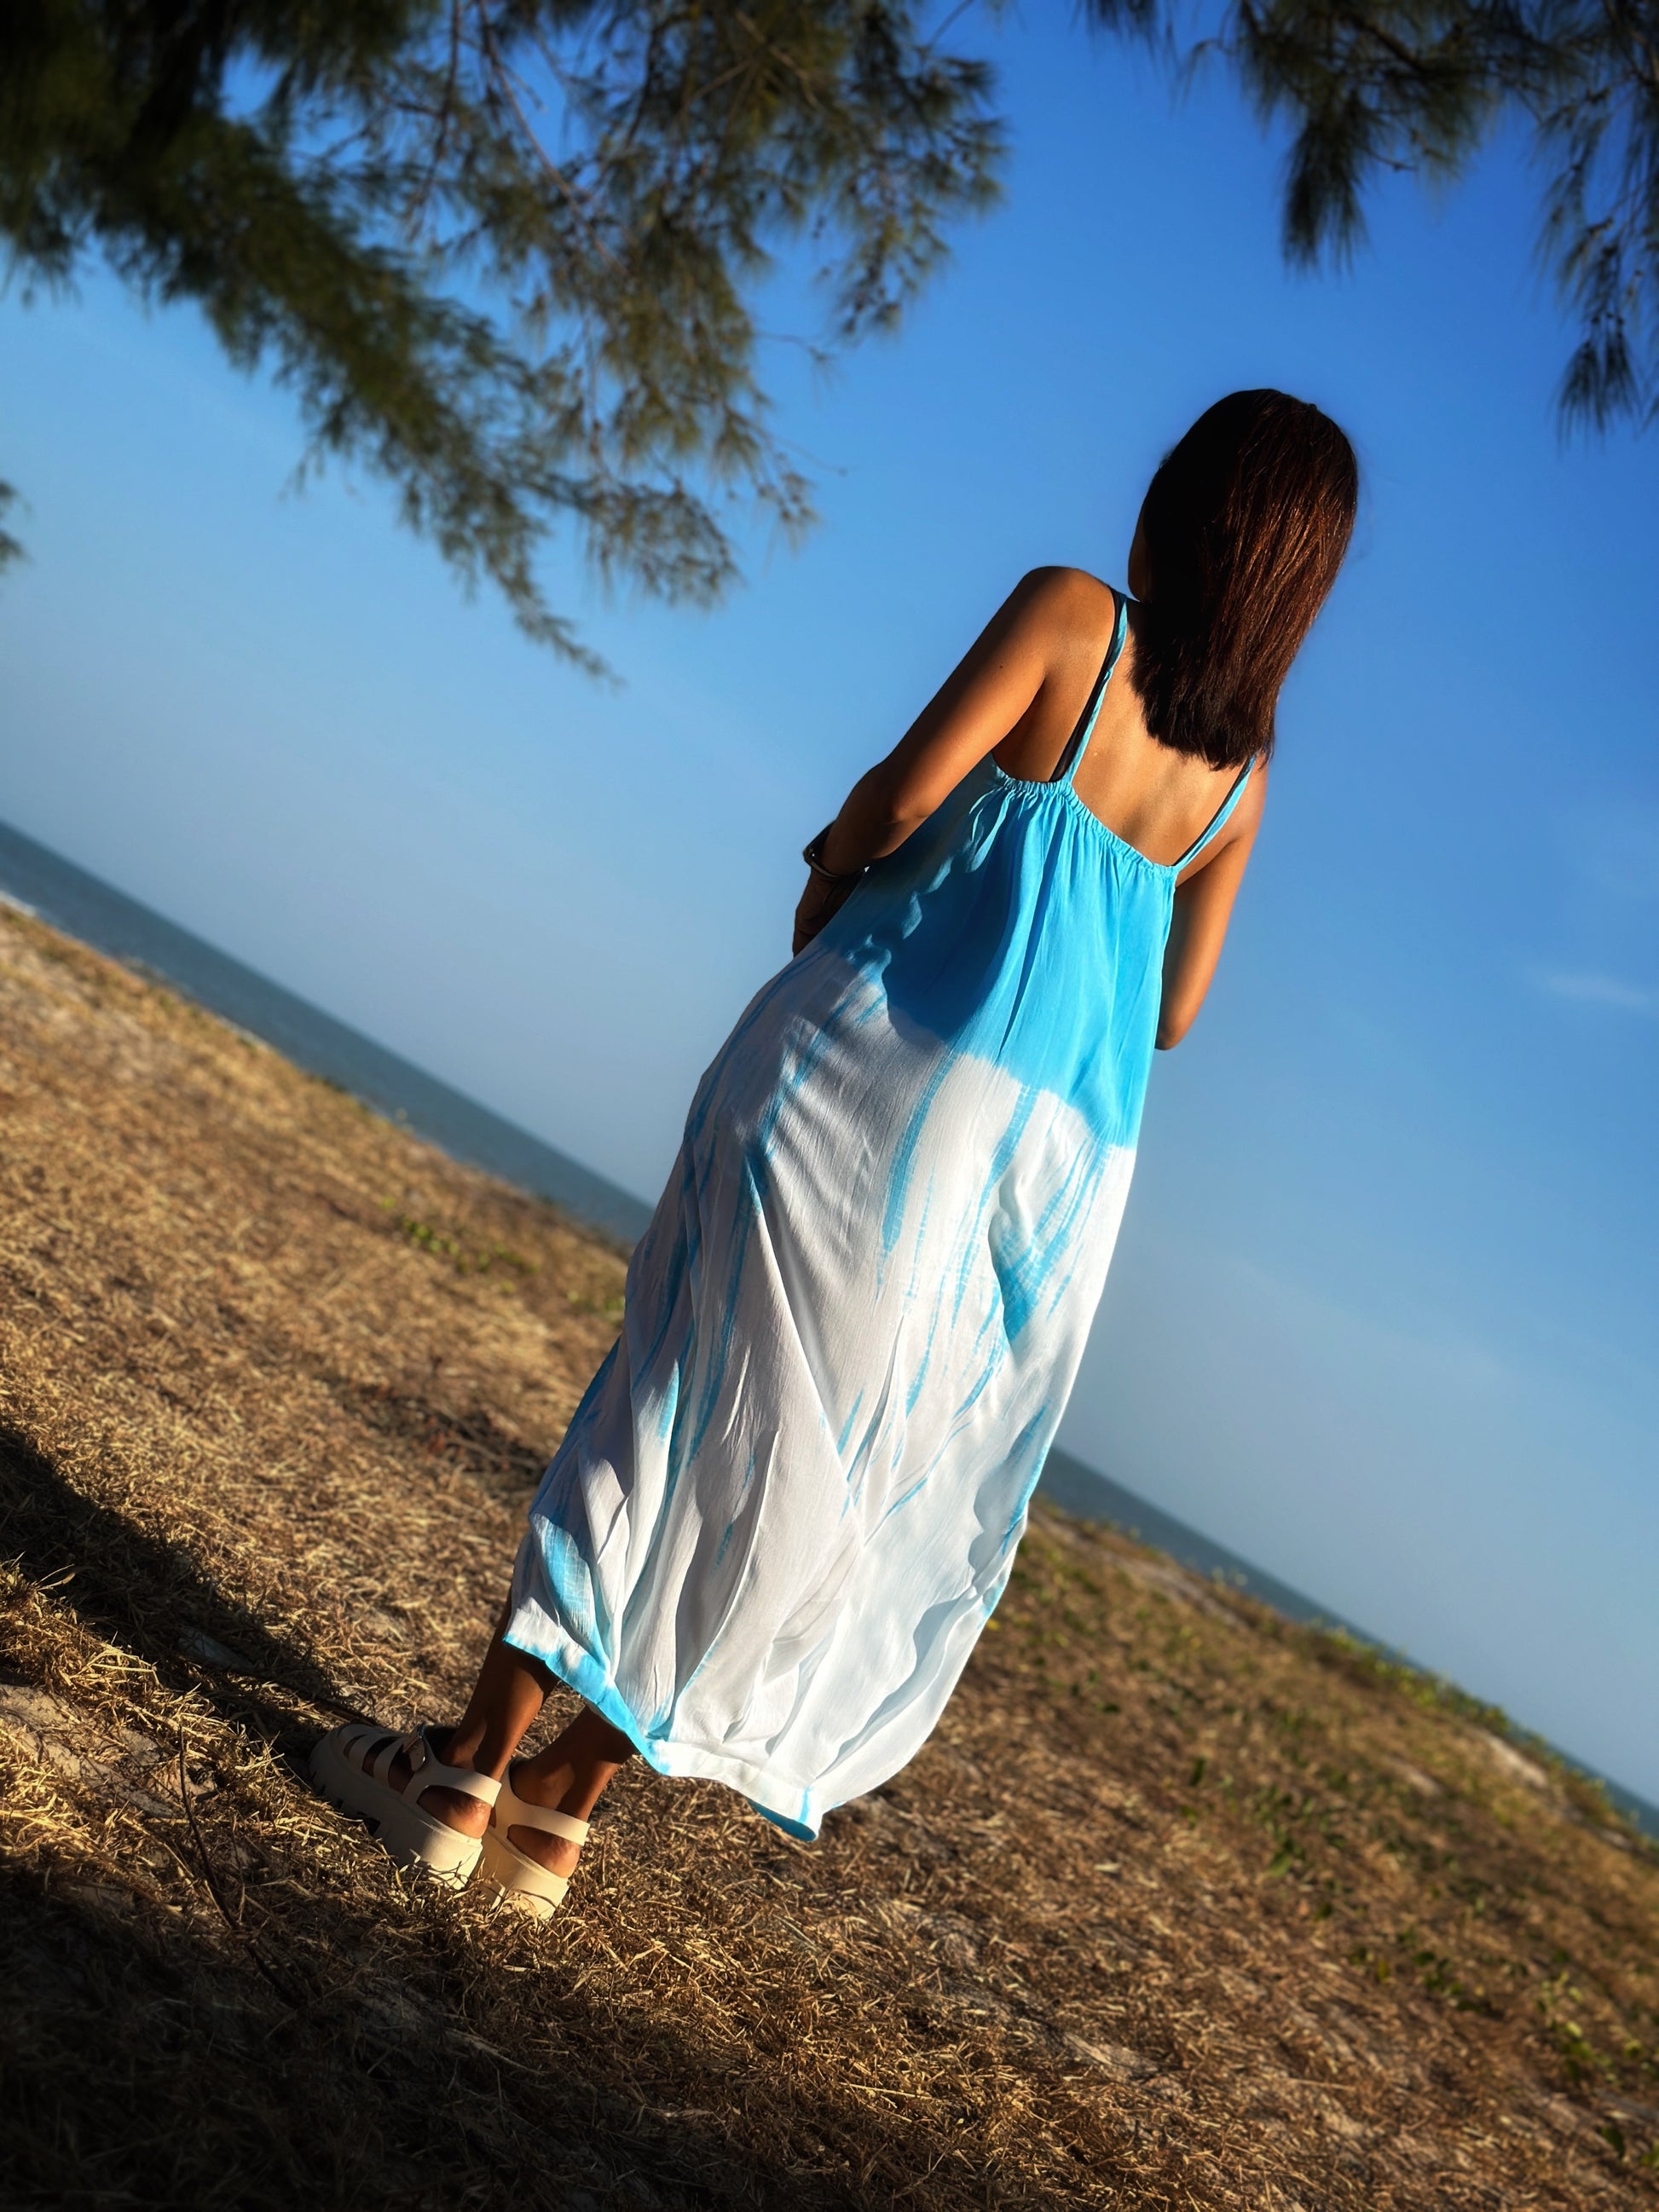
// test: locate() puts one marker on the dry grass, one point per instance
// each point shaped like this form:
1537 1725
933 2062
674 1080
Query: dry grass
1181 1907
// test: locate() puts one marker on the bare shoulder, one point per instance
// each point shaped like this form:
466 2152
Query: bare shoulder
1070 610
1237 834
1247 814
1242 824
1061 591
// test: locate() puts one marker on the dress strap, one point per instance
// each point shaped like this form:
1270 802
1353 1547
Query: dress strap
1080 736
1218 821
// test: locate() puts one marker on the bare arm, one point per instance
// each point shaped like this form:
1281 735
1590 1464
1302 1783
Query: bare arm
1203 907
983 699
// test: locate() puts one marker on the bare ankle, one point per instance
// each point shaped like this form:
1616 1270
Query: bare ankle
457 1808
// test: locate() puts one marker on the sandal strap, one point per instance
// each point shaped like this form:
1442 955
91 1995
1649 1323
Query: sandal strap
373 1749
426 1771
429 1771
513 1811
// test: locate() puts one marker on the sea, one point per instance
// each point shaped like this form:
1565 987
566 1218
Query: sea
41 882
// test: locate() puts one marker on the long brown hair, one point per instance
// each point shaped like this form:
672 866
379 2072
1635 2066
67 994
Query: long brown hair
1246 523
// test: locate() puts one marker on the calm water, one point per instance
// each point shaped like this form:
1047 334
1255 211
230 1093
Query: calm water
68 898
75 902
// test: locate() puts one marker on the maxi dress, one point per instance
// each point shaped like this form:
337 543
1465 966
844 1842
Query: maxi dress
791 1495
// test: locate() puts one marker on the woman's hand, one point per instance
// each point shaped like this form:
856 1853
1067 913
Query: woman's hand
821 898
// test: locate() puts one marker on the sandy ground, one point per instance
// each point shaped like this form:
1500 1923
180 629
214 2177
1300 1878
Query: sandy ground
1182 1907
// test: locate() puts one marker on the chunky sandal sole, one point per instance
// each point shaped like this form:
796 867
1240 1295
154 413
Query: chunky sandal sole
521 1882
416 1840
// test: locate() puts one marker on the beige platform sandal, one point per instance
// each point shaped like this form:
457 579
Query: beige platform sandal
352 1767
516 1879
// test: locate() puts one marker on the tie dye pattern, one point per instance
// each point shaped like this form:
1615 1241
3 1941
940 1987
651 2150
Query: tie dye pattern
793 1494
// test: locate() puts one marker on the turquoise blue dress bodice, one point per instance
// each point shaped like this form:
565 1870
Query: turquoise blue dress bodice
791 1495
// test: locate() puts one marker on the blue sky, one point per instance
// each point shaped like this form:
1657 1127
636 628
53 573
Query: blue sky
1383 1315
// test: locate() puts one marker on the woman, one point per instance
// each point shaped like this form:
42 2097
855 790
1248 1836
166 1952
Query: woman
793 1490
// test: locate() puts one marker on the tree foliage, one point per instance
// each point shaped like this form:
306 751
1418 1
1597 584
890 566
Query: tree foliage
509 253
1420 85
505 252
10 548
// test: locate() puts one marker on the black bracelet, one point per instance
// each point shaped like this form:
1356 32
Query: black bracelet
813 853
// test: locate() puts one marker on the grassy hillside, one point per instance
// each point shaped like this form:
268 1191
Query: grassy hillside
1182 1907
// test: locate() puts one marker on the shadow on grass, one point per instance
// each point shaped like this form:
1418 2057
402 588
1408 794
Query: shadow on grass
321 2045
145 1593
151 2068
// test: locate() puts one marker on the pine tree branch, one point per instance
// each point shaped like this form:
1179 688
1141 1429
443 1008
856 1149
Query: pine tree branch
520 341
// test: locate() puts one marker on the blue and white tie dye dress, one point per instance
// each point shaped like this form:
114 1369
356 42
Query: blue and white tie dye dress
792 1493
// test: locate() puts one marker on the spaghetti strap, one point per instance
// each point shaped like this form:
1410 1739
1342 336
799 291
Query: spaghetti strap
1080 736
1218 821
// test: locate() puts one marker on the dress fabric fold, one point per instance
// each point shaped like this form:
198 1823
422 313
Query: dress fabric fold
793 1494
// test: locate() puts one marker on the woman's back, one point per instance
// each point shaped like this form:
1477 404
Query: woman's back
1154 798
